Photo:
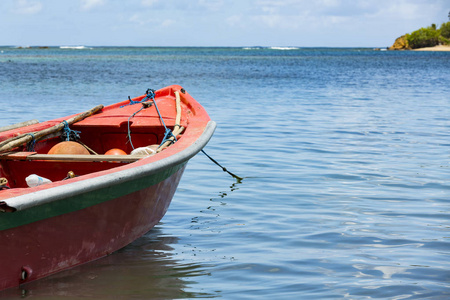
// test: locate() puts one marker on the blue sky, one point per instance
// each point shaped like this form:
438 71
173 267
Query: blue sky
303 23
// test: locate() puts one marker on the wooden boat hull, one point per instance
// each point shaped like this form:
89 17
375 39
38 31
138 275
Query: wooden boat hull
62 225
51 245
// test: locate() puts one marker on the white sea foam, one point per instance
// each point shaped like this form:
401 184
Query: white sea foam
74 47
271 48
284 48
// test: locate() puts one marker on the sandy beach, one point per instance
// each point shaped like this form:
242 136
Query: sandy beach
435 48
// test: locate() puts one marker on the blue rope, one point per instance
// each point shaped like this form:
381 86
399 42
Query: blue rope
167 133
129 129
32 143
131 102
150 95
68 132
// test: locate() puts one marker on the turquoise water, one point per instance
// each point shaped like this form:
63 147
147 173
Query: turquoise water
345 154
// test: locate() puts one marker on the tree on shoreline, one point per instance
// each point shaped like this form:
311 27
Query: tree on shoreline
445 30
424 37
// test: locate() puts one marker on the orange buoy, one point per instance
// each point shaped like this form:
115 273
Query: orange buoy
68 147
115 151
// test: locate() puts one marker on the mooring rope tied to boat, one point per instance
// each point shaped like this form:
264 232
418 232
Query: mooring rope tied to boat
169 135
239 179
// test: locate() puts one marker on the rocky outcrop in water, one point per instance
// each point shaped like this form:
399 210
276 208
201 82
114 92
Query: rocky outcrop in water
400 44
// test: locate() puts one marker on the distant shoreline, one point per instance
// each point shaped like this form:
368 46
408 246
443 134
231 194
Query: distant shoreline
435 48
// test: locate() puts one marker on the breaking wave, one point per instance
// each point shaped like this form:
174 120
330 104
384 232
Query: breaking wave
270 48
284 48
74 47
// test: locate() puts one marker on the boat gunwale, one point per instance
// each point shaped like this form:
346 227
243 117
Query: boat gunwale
131 172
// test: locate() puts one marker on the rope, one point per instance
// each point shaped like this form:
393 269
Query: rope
88 149
32 143
167 135
129 128
239 179
69 134
150 94
132 102
167 132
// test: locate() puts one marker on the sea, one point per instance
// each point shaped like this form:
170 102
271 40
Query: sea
344 155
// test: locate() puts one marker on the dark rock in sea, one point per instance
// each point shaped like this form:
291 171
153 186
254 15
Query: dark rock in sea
400 44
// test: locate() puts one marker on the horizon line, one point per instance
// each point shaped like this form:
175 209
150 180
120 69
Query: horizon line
148 46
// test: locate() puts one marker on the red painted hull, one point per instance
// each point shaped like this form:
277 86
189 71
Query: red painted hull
59 225
51 245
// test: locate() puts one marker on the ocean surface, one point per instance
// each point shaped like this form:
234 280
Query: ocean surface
345 155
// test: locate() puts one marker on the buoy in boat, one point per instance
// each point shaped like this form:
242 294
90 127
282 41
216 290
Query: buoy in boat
149 150
115 151
68 147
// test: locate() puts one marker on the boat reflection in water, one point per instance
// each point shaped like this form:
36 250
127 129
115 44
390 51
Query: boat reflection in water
145 269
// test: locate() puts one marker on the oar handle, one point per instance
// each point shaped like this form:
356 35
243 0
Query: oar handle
14 142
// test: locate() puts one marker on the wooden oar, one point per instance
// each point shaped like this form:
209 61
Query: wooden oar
14 142
19 125
70 157
177 129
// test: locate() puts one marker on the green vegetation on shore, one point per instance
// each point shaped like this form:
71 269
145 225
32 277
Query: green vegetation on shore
424 37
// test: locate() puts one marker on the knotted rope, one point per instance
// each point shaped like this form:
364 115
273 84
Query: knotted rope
69 134
32 143
133 102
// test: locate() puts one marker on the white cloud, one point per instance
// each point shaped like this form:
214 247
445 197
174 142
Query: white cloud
27 7
90 4
212 5
167 23
302 14
138 19
143 20
235 20
149 2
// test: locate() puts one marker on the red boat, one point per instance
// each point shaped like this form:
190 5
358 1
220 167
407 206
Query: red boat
93 203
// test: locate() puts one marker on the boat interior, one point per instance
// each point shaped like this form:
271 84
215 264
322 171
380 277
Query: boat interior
116 127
